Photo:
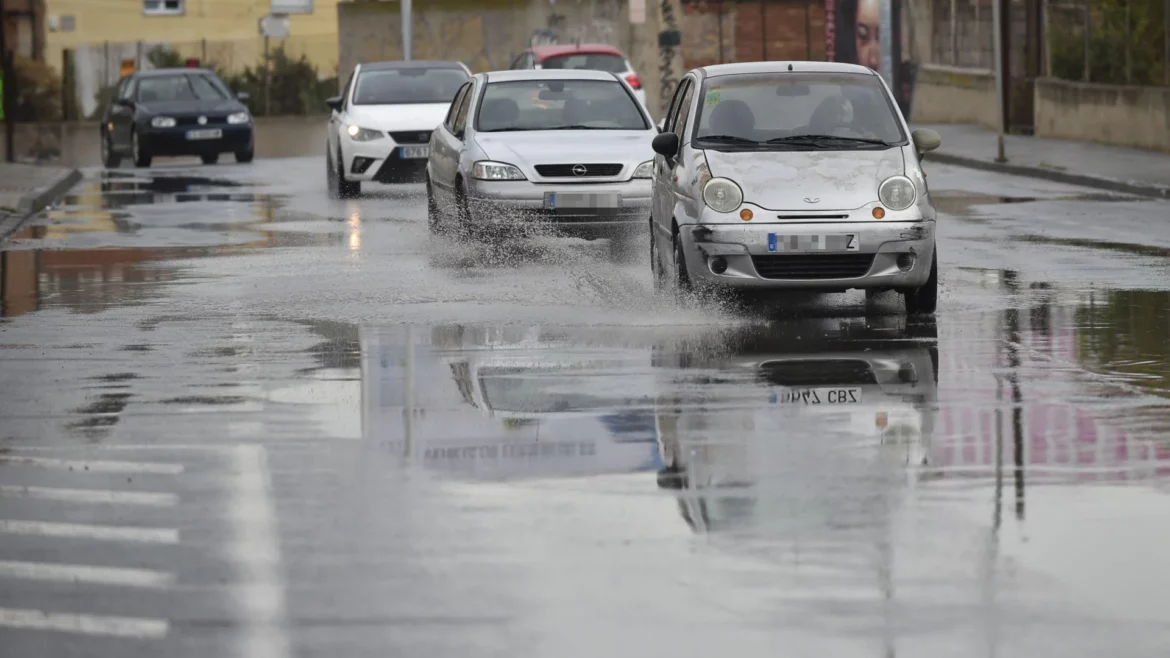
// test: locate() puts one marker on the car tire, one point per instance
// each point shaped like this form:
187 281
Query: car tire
110 159
244 157
345 189
924 299
656 268
434 216
210 158
139 151
463 214
682 278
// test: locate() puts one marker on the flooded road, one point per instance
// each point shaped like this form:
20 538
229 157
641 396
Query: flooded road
237 418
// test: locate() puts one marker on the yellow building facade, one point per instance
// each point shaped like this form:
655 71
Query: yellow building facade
225 32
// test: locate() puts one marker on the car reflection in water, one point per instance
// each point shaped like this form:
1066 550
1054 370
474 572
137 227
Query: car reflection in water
509 403
827 417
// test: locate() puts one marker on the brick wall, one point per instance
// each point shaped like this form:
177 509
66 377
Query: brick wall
779 31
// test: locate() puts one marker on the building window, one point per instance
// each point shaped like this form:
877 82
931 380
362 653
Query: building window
162 7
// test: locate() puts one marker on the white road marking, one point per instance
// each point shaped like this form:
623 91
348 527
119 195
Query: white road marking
132 627
256 551
84 574
95 466
97 532
145 499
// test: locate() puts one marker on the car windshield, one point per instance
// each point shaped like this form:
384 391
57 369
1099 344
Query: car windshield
408 85
558 105
180 87
590 61
796 111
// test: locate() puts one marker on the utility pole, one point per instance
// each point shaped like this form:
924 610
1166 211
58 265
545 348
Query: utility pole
407 29
7 89
997 21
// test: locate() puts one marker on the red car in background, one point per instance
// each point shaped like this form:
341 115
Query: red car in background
592 56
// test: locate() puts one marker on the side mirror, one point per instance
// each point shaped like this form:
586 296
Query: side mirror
925 140
243 96
665 144
334 103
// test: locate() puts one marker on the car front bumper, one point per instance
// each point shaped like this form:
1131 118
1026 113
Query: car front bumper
173 141
381 161
751 265
512 202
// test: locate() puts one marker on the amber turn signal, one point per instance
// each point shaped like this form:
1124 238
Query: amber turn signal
879 213
745 215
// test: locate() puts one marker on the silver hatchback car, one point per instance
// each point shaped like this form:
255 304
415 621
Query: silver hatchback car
801 175
562 149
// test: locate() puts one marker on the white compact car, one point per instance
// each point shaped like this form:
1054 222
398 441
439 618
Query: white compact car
587 56
381 124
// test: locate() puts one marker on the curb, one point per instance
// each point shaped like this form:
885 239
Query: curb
1112 184
33 203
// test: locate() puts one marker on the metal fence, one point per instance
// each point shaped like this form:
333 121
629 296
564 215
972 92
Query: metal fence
261 65
1110 41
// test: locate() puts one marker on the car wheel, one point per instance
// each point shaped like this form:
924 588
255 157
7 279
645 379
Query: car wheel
682 279
244 157
345 189
462 212
434 218
656 267
924 299
210 158
139 151
110 159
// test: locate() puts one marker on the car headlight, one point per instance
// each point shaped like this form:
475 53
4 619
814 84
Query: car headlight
363 134
722 195
163 122
488 170
645 170
238 118
897 193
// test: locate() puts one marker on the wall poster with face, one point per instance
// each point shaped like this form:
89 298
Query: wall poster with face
853 35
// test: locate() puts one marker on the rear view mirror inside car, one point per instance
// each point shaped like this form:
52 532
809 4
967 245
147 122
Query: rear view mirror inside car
792 90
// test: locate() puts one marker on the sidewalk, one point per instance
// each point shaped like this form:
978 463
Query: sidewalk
26 189
1078 163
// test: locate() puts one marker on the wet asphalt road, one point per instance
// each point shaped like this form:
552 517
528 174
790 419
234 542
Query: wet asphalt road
239 419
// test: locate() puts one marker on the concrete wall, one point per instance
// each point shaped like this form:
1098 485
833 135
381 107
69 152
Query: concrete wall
1110 114
951 95
76 144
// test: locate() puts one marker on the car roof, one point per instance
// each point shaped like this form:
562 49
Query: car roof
558 50
411 64
171 71
781 67
549 74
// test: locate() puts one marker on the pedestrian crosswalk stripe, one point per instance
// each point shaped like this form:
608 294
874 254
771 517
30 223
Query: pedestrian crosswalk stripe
96 466
132 627
84 574
97 532
97 496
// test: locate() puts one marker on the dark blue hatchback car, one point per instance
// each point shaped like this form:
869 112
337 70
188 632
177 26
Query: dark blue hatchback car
167 112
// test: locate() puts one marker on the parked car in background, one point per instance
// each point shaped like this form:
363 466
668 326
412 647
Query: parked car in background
173 112
589 56
381 124
520 150
801 175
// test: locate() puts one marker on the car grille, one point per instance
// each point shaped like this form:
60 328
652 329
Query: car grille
194 121
411 136
818 372
566 170
813 266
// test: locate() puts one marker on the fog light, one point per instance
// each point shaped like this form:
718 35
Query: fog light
719 264
879 213
746 215
361 164
906 261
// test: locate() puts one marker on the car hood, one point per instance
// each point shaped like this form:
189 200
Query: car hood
407 116
782 180
187 108
525 149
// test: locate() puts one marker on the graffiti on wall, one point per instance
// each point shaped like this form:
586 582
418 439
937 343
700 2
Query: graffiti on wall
669 40
594 22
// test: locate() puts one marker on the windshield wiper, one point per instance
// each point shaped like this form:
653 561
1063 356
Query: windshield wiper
820 138
731 139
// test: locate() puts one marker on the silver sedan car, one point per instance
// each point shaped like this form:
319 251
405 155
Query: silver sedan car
801 175
568 150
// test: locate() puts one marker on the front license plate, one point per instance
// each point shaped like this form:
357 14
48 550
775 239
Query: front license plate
559 200
415 152
805 243
817 396
204 134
